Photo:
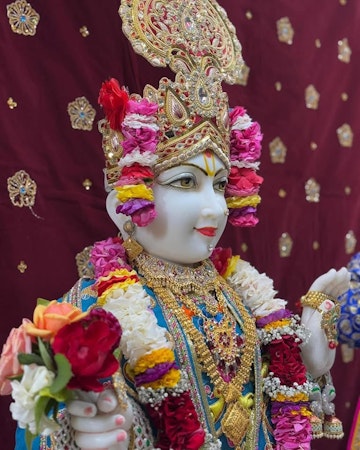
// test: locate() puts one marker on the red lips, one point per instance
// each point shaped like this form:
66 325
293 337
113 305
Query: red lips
207 231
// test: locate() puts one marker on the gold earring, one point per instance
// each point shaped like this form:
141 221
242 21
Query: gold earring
133 248
226 212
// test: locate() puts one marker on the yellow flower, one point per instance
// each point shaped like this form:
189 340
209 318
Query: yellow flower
152 359
231 266
241 202
169 380
277 324
125 193
300 397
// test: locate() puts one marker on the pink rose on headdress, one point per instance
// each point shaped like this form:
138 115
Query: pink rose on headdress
235 113
144 107
243 217
243 181
245 144
144 139
114 100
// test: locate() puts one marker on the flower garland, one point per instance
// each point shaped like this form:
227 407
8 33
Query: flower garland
243 184
163 388
136 120
280 335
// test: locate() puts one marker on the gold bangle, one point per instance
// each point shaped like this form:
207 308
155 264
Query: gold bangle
314 299
329 316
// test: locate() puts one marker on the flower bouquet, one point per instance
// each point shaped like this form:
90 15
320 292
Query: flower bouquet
43 362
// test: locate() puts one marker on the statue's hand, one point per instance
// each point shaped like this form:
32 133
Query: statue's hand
320 314
99 422
332 283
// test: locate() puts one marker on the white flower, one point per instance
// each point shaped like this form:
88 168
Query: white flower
242 122
141 332
256 290
135 120
26 393
144 158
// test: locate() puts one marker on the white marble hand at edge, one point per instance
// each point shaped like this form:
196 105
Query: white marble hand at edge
99 422
316 354
333 283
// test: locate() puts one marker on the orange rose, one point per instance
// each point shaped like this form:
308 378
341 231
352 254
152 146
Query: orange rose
49 319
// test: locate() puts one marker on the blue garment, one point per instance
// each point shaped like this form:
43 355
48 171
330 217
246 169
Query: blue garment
83 296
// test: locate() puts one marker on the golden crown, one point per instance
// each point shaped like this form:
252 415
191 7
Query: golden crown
198 42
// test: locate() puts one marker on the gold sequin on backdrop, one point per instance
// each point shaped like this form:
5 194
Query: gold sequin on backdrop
285 245
277 151
11 103
344 51
312 97
345 135
350 242
312 190
285 31
81 114
23 19
84 31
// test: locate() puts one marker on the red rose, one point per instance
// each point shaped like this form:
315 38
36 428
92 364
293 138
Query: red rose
286 362
177 423
220 258
89 345
114 100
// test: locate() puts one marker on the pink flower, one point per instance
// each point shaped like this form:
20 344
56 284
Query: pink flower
292 431
235 113
243 217
17 342
144 139
144 107
107 256
245 144
243 181
142 217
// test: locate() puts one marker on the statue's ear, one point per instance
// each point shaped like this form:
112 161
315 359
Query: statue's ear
111 204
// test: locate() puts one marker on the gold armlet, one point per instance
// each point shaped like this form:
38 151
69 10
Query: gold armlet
329 308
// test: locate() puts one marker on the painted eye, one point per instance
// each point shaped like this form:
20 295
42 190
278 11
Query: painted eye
184 181
220 185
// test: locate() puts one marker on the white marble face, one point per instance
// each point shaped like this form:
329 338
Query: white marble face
191 211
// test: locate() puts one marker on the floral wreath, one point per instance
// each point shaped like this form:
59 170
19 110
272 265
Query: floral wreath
136 120
163 388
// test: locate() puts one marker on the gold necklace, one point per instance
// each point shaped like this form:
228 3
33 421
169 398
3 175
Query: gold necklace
161 277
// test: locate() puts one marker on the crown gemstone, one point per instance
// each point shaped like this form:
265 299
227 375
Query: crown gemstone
189 24
203 96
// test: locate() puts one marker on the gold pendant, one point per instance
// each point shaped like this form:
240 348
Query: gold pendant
235 423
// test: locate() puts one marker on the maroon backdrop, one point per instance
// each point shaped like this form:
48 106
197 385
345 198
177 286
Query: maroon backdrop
41 74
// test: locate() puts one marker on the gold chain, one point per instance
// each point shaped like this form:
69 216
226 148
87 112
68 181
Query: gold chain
157 277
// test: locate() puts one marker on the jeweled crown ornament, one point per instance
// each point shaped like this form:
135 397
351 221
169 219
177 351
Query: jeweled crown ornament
181 117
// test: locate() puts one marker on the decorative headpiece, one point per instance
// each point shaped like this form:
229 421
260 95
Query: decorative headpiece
143 136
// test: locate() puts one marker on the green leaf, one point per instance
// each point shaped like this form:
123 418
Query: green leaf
64 373
40 407
42 301
30 358
29 437
46 356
